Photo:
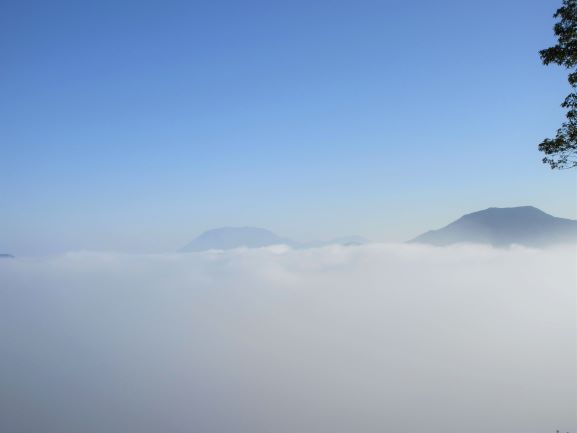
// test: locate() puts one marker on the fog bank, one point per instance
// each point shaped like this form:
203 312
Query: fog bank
368 339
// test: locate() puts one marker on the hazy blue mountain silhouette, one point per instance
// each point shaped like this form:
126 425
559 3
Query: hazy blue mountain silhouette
525 225
6 256
227 238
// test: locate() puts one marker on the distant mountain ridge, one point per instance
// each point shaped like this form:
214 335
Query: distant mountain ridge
6 256
524 225
226 238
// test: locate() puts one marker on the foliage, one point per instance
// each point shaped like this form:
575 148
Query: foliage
561 151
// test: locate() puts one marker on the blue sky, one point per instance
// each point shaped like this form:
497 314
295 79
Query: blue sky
135 125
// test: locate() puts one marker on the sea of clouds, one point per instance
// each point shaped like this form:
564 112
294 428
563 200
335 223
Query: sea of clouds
368 339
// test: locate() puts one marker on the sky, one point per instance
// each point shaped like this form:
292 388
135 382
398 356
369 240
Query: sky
135 125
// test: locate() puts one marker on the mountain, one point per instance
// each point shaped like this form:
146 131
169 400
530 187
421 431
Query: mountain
525 225
227 238
6 256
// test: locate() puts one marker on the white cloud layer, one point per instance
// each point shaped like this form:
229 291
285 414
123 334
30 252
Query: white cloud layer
372 339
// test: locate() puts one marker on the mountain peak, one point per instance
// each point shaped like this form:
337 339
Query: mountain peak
523 225
226 238
517 210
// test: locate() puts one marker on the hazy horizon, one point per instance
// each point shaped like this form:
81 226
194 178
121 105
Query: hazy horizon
145 239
